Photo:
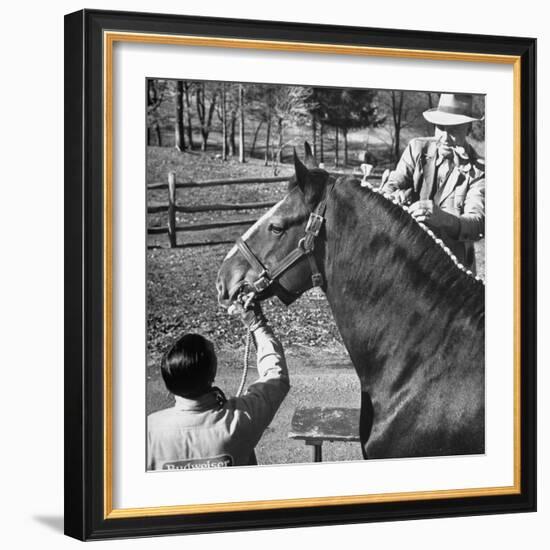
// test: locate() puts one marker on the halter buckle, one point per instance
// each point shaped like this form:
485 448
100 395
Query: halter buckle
314 224
262 282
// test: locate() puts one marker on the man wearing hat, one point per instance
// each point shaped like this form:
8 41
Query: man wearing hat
443 179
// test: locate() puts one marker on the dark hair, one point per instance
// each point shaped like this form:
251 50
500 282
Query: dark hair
188 368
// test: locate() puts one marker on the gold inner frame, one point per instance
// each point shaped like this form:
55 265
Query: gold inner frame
109 39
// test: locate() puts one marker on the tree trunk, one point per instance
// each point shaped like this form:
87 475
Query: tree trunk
204 119
224 125
188 113
322 142
336 146
396 144
241 123
397 104
267 138
256 132
345 134
180 135
280 147
314 131
211 110
430 100
159 134
199 101
232 146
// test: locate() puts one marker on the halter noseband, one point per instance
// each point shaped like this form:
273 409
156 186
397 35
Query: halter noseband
305 247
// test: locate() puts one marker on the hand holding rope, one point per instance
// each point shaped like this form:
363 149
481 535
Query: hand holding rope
252 318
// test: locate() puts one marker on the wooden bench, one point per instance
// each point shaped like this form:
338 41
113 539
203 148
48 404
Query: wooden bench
318 424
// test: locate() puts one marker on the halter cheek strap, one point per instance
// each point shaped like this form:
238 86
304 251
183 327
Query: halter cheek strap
263 280
305 247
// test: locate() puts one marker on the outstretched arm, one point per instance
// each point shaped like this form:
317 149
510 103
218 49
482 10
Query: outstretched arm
265 395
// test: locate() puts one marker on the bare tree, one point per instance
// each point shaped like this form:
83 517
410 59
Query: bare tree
187 90
291 106
256 132
241 123
229 101
404 110
179 128
314 132
232 130
224 122
345 109
156 90
321 141
205 99
259 107
397 100
267 141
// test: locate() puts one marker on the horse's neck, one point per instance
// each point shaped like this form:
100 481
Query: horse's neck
378 289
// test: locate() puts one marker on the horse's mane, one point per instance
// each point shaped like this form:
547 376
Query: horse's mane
401 241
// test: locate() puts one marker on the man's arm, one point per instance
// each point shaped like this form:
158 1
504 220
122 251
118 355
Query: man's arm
265 395
472 220
401 179
468 226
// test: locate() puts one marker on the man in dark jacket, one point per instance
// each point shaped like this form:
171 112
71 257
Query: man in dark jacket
443 179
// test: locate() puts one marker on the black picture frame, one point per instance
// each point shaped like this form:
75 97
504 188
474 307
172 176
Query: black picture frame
85 489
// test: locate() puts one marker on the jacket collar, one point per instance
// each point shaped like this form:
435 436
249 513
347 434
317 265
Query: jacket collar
464 159
212 399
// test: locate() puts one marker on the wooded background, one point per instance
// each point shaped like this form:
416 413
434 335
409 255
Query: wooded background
346 126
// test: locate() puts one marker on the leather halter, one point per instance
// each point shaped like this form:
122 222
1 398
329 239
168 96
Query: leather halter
305 247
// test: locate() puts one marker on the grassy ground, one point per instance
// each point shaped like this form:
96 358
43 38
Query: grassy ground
181 298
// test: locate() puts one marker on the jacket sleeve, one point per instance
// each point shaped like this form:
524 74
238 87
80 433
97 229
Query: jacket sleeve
402 177
265 395
472 220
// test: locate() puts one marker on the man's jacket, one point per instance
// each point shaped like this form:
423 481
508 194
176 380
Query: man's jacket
463 193
211 432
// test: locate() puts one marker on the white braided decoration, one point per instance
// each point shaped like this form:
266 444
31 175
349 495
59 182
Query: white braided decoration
366 183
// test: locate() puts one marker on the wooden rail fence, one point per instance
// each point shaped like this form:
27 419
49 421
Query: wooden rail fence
172 206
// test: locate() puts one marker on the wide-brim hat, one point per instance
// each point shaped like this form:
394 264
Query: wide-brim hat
453 109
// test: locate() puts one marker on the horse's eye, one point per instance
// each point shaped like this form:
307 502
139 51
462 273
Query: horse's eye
276 229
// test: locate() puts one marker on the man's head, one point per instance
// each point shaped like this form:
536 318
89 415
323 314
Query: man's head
452 119
189 367
449 137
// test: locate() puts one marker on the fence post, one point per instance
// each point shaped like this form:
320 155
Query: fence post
172 209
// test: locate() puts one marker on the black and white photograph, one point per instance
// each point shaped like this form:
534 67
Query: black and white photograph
315 272
300 281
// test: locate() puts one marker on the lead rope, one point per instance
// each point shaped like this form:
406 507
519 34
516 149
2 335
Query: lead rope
245 364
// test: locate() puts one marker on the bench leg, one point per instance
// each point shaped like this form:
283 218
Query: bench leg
317 450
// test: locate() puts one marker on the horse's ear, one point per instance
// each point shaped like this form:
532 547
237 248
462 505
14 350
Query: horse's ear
309 186
302 173
309 160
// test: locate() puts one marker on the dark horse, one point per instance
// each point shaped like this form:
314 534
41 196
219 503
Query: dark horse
411 318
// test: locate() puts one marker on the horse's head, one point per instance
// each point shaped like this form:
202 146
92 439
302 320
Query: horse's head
276 255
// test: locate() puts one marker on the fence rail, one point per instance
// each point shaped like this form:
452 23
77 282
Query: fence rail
218 183
172 207
157 208
200 226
